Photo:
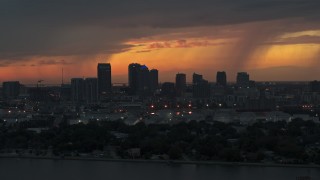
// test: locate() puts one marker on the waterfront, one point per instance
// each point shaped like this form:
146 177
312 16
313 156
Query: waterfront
36 169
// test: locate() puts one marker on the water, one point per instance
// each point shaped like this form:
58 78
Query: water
36 169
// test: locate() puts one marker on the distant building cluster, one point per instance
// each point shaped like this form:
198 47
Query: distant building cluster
145 99
142 81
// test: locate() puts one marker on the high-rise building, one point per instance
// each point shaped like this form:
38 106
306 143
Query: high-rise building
104 78
221 78
91 90
154 80
143 80
133 70
181 83
10 89
196 78
243 79
77 90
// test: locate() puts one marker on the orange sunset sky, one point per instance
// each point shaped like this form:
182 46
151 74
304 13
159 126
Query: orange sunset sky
273 43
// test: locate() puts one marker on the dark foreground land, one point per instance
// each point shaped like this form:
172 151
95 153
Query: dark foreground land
263 143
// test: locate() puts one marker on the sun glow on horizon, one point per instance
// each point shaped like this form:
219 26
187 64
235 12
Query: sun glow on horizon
203 54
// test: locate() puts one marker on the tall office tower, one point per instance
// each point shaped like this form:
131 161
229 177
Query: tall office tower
221 78
181 83
91 90
154 80
77 90
104 78
243 79
196 78
143 80
10 89
133 70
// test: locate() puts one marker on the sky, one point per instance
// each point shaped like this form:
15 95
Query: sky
273 40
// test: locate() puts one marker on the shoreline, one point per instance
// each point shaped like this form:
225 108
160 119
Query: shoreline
168 162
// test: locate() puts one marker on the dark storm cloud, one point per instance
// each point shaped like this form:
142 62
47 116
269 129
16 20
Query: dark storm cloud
82 27
306 39
165 13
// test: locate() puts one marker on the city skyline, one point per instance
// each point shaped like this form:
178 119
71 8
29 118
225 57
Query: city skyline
271 40
190 78
209 89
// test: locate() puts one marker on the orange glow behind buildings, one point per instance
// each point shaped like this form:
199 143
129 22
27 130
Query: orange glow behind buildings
181 53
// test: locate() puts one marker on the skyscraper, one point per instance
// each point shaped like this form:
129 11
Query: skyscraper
154 80
77 90
243 79
104 78
196 78
181 83
133 70
143 80
221 78
91 90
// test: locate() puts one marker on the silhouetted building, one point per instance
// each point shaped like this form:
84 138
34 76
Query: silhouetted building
243 79
91 90
167 89
221 78
201 89
77 90
10 89
181 83
143 81
104 78
133 70
154 80
314 86
196 78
